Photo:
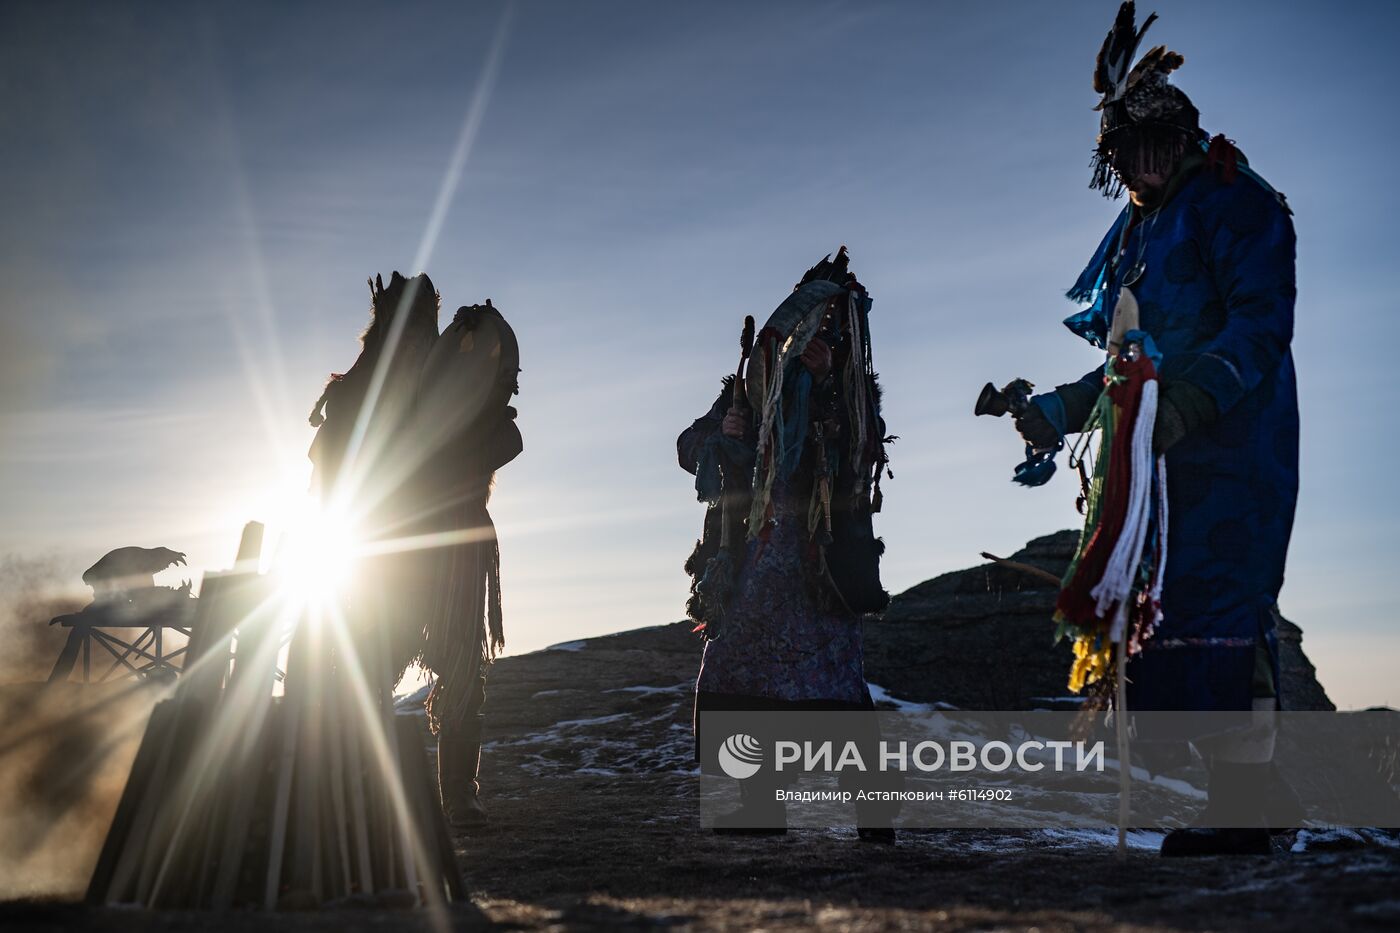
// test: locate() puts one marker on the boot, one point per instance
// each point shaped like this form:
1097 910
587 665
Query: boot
1196 840
1233 821
875 818
760 813
459 763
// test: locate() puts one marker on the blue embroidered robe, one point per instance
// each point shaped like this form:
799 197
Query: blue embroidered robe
1216 294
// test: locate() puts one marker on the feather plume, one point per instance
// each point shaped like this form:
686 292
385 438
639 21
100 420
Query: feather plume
1116 55
831 270
1158 60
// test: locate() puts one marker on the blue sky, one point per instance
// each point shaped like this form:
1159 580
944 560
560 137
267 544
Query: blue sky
195 194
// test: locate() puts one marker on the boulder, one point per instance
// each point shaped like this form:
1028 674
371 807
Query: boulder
982 638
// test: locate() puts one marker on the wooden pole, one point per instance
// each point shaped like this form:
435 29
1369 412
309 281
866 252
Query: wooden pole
1036 572
338 778
1125 777
296 800
293 698
249 548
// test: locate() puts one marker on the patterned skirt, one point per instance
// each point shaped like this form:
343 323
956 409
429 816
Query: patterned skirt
780 641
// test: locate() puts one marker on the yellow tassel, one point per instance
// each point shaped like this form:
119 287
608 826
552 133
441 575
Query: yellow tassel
1092 658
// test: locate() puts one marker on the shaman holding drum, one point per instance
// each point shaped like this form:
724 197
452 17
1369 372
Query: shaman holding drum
415 451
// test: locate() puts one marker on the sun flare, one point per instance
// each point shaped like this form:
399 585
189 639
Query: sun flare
317 558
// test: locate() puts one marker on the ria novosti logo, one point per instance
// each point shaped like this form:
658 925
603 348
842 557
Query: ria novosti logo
741 756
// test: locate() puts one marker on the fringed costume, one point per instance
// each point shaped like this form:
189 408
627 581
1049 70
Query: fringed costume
789 562
464 430
415 461
800 491
362 475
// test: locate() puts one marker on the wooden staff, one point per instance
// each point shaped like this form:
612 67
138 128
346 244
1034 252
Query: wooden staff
1036 572
745 351
726 531
1120 716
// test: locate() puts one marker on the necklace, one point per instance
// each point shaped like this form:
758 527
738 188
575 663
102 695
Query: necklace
1136 270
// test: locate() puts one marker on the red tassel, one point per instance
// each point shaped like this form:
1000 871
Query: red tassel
1075 603
1223 155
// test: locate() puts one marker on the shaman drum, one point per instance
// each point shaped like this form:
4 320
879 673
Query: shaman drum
786 334
469 377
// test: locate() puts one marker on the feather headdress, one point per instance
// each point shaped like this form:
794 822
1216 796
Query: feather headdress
1145 119
1111 69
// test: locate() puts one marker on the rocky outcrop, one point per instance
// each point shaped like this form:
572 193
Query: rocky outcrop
1301 688
979 638
982 638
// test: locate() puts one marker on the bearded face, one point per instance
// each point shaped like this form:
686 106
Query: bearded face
1139 158
1143 167
1146 191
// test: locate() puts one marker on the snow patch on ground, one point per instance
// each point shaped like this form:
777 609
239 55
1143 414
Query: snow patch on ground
412 704
993 842
1175 785
1379 911
568 646
880 695
682 687
584 723
1095 838
1385 838
612 745
1336 838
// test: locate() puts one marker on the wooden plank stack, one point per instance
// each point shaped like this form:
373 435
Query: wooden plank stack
239 799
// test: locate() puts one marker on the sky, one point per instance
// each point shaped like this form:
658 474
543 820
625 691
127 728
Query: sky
194 195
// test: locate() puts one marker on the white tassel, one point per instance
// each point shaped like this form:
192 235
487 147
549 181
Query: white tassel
1113 591
1159 578
855 368
770 424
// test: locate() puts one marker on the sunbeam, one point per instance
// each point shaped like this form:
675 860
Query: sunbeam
456 165
260 352
471 123
225 747
373 707
317 555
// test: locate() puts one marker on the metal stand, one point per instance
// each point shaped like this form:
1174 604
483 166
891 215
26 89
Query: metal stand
108 625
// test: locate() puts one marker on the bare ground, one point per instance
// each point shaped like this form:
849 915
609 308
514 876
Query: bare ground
595 826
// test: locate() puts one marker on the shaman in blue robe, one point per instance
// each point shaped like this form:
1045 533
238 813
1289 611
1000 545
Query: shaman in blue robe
1214 281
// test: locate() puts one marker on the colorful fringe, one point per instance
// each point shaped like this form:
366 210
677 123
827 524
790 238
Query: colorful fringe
784 422
1111 594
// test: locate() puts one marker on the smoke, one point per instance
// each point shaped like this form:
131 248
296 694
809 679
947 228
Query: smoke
34 590
65 749
65 752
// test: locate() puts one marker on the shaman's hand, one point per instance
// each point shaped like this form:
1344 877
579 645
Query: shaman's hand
1182 408
817 358
1035 429
735 423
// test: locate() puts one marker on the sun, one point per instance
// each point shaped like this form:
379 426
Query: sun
317 555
